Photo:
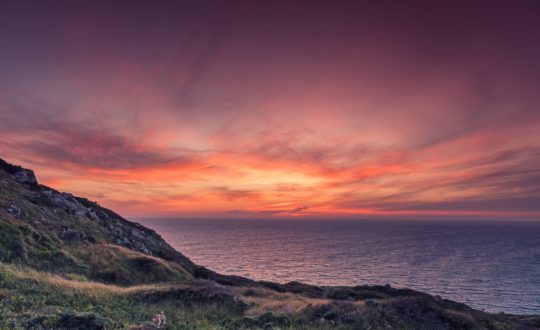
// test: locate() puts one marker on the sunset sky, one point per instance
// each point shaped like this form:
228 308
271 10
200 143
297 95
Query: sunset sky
277 108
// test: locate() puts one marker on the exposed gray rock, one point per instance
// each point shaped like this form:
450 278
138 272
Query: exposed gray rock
102 215
14 210
137 233
18 173
144 250
67 202
115 231
141 248
25 176
80 212
91 214
47 193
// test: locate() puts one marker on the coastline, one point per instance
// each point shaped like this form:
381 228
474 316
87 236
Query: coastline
101 271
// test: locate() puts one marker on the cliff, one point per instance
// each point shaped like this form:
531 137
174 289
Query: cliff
66 262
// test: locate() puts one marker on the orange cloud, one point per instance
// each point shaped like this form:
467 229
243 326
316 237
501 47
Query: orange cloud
243 117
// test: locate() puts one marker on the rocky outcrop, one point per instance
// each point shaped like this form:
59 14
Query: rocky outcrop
18 173
47 230
25 176
77 221
66 219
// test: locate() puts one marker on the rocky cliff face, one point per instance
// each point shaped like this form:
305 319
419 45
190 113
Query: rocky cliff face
54 230
18 173
65 244
57 231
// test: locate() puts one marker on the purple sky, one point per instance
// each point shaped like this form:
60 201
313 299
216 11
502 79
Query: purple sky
277 108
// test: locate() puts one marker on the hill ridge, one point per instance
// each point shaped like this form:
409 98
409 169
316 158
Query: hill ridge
54 242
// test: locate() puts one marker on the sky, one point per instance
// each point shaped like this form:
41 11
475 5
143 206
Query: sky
277 108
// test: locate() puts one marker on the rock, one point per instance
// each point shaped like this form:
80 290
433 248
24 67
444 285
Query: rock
82 321
91 214
80 213
18 173
14 210
47 193
115 231
137 233
72 234
25 176
67 202
142 248
102 215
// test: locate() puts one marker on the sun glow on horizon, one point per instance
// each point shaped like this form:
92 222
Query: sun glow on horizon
229 114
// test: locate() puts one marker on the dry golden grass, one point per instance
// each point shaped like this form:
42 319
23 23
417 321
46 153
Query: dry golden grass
88 288
105 254
266 300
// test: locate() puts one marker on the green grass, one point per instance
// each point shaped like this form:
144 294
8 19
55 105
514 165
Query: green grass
12 244
118 265
29 297
100 279
21 244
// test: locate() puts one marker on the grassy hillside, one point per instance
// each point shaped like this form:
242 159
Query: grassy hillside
61 233
67 263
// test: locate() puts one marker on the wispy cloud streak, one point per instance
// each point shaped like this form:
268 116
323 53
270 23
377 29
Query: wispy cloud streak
214 109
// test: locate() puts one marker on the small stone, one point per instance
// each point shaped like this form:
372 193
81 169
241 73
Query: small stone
14 210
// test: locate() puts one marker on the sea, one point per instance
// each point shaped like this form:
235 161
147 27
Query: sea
489 265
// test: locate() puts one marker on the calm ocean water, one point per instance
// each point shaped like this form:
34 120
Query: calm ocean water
494 266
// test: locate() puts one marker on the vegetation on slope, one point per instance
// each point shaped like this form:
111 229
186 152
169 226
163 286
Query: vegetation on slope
67 263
